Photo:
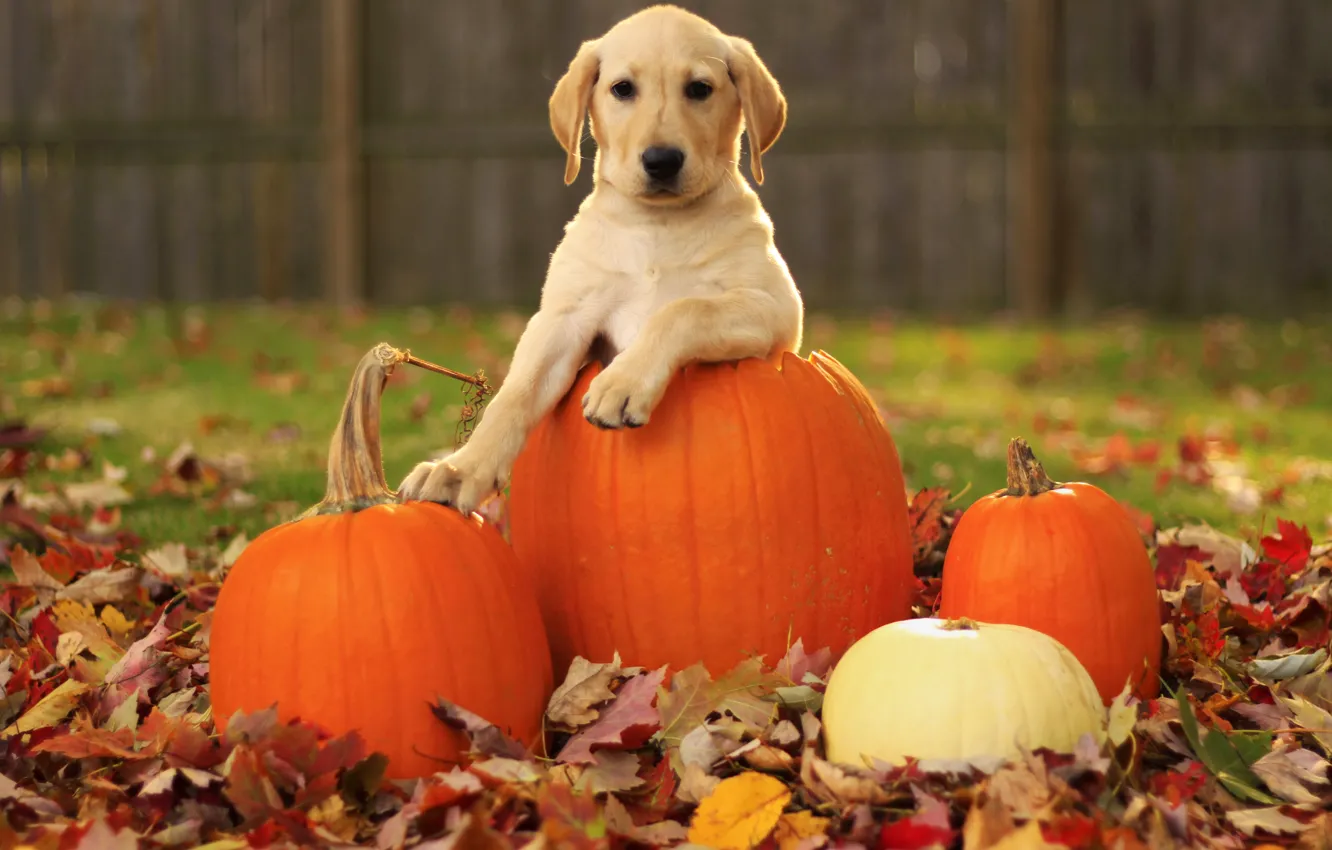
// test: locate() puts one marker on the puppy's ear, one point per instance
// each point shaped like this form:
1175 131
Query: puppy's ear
761 102
569 103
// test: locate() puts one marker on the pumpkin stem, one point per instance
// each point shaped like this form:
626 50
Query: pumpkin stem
355 463
959 624
1026 476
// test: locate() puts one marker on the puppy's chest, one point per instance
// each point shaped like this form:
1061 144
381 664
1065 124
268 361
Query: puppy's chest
644 282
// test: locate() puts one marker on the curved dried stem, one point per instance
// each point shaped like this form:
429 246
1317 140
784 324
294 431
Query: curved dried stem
355 460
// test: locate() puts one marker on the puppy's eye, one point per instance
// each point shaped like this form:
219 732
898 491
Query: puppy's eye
698 90
623 90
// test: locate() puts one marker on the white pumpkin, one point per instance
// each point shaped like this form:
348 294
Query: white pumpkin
955 689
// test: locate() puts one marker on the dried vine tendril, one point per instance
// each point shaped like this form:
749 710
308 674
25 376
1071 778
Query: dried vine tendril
476 391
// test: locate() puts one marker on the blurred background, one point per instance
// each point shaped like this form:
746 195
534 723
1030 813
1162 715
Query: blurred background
1104 225
942 157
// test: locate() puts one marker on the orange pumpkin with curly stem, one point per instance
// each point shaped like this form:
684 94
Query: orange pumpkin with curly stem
1066 560
763 502
362 612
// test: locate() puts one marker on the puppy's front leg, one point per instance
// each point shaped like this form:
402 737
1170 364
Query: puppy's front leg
545 362
733 325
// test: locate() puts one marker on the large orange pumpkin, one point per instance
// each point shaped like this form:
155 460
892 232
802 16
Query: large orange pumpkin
762 503
1066 560
364 611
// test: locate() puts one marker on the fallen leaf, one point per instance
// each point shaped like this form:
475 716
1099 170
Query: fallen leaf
50 710
1310 716
1290 546
659 834
928 827
587 685
740 812
102 586
743 693
1293 774
987 822
626 722
170 559
1026 837
1287 666
485 737
1272 821
612 771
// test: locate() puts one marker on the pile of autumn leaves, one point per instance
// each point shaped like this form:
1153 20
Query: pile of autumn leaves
108 741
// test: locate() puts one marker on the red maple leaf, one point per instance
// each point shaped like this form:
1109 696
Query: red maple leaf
1264 580
1209 634
1177 786
1171 563
1260 618
926 828
1290 547
661 784
1072 830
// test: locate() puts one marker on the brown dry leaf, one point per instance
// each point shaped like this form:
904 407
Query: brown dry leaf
587 685
795 827
1271 820
171 559
692 696
102 586
1020 790
987 823
1292 773
761 756
1311 716
614 770
1318 836
740 812
832 783
28 572
659 834
476 834
695 784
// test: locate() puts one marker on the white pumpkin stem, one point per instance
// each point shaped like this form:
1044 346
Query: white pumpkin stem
960 624
1026 476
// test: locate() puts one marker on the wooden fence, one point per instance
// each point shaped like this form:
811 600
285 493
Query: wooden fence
944 156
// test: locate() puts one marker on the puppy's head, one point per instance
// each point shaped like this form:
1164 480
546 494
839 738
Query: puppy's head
668 95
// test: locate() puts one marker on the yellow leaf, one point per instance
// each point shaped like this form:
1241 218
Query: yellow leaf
116 621
797 826
50 710
740 812
1026 838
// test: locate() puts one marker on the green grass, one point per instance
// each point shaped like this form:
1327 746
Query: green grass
953 397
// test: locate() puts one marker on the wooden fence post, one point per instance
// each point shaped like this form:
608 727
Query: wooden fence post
1031 171
344 233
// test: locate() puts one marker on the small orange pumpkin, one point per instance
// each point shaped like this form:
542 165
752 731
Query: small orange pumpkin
1066 560
763 502
363 611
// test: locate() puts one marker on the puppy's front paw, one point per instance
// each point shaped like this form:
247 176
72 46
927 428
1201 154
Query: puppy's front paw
454 481
621 398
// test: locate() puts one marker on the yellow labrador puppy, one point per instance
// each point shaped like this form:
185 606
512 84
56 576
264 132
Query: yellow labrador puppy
670 259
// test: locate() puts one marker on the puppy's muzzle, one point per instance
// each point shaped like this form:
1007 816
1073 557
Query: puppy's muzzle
662 165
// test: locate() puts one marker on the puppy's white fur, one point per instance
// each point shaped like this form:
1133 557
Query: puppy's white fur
655 280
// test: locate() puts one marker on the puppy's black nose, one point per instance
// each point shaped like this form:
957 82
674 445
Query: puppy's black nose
663 163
